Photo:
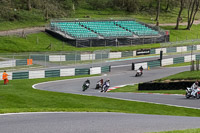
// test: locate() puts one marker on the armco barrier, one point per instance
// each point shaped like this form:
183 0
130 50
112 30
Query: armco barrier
197 57
105 69
127 53
20 75
87 57
57 58
73 57
171 50
57 73
166 62
52 73
188 58
67 72
21 62
101 56
36 74
155 63
178 60
115 55
82 71
40 57
95 70
4 64
164 86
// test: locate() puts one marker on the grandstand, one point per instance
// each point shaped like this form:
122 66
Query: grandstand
106 33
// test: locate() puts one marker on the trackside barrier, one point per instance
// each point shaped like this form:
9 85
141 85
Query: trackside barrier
4 64
115 55
36 74
67 72
57 58
82 71
56 73
52 73
166 62
87 57
105 69
20 75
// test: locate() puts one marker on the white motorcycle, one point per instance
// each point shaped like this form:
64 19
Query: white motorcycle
138 73
98 85
188 93
105 87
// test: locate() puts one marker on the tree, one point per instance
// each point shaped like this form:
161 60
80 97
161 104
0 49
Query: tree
192 11
157 12
29 5
179 14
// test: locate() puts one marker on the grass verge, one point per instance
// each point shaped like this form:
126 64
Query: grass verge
182 131
19 96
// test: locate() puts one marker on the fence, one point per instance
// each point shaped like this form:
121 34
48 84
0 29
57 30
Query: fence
47 60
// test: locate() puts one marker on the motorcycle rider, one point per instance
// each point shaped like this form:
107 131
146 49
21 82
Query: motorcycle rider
106 85
99 84
194 88
141 69
86 82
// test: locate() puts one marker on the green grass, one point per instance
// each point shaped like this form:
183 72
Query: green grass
19 96
182 34
179 64
41 41
188 75
31 18
134 89
182 131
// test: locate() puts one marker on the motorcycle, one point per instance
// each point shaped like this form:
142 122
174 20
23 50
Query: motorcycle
85 86
188 93
98 85
138 73
105 87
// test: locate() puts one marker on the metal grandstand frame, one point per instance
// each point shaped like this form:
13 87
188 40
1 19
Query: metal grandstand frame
108 41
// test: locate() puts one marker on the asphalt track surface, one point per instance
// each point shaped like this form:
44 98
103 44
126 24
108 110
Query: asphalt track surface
93 123
105 122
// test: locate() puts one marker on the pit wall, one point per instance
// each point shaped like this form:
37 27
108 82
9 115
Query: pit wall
57 73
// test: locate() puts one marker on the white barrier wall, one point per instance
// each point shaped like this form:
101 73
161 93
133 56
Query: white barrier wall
188 58
36 74
9 75
11 63
115 55
138 65
181 49
198 47
95 70
67 72
134 53
88 57
166 62
57 58
161 49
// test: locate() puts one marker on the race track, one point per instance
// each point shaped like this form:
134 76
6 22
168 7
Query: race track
93 123
105 122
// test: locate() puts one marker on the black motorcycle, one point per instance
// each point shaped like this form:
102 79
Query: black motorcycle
86 86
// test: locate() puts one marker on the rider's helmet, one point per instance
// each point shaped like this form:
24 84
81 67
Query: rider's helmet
196 82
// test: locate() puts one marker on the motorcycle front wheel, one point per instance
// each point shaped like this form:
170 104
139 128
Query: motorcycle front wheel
187 95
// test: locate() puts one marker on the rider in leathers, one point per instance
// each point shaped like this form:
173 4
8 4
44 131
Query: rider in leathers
194 88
